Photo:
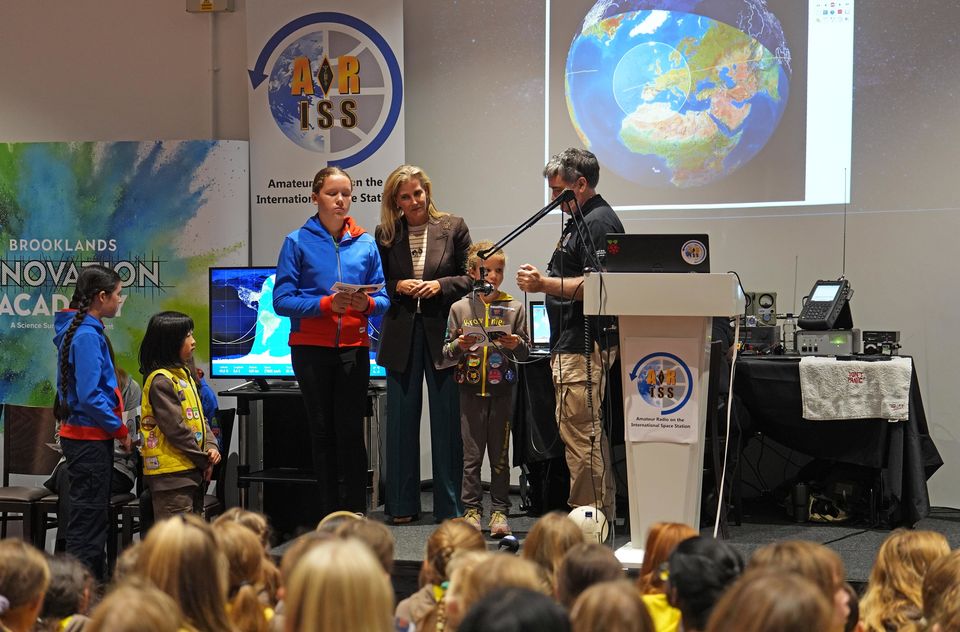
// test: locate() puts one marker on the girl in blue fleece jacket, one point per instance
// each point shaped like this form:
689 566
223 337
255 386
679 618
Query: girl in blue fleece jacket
329 348
89 407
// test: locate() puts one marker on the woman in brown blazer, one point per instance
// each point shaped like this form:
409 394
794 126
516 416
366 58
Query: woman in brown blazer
424 255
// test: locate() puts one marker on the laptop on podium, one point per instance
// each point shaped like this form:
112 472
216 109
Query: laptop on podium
686 252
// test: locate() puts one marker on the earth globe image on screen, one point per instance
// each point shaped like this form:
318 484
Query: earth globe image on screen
677 93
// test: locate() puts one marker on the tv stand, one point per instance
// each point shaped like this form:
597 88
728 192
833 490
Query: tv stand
262 384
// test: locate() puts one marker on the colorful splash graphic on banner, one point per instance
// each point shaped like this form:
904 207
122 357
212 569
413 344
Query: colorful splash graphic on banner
159 213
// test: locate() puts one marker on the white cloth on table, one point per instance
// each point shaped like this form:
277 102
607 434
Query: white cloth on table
855 389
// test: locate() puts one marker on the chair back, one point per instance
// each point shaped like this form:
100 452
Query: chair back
28 433
225 418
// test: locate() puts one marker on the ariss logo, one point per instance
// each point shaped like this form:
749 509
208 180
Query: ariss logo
664 381
336 89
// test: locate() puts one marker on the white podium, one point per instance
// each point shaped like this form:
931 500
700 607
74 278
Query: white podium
665 321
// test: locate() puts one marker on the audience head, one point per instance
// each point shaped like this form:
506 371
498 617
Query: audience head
698 571
474 577
449 538
941 594
71 588
549 540
516 610
137 606
894 594
332 521
853 601
127 561
256 522
24 577
182 558
375 535
611 606
584 565
246 562
769 600
297 550
662 538
814 561
339 585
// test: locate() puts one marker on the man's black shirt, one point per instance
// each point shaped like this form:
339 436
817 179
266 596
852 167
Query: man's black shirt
582 245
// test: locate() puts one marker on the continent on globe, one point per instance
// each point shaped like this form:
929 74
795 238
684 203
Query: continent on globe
675 98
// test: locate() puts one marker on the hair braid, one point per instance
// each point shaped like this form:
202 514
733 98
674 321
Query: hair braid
61 407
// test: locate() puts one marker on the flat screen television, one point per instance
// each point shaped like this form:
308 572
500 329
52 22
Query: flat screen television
248 340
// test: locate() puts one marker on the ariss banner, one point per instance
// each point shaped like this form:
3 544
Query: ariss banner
325 89
660 403
159 213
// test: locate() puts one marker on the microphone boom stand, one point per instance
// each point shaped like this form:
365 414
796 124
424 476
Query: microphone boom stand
565 196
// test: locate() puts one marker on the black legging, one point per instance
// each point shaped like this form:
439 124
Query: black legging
334 384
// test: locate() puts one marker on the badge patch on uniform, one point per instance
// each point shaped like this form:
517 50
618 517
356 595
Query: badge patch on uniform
473 376
151 463
495 359
458 375
188 413
196 413
183 384
152 440
182 396
198 435
473 360
510 375
494 376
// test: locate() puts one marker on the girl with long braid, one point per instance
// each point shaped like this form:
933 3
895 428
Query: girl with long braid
89 408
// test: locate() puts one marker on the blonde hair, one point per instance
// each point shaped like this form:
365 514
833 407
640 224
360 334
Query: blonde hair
24 574
137 606
260 526
390 212
181 556
612 606
941 594
375 535
812 560
662 539
339 585
767 600
473 578
473 260
246 563
894 594
298 549
450 537
256 522
127 561
549 540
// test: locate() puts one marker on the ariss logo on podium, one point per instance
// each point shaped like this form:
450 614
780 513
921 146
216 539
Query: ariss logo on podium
664 381
335 89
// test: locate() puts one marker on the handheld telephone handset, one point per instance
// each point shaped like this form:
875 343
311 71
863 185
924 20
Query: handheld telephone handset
827 306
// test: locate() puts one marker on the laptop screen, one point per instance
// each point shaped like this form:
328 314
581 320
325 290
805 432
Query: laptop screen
539 324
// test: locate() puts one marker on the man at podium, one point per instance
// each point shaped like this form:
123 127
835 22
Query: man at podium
575 341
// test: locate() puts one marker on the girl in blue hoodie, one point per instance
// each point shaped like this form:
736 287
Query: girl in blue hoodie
89 408
329 346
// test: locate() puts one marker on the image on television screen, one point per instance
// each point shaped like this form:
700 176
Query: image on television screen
247 338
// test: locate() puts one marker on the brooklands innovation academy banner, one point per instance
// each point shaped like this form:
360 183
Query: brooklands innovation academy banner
159 213
325 89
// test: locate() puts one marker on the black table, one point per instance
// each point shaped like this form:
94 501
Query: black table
902 452
280 456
